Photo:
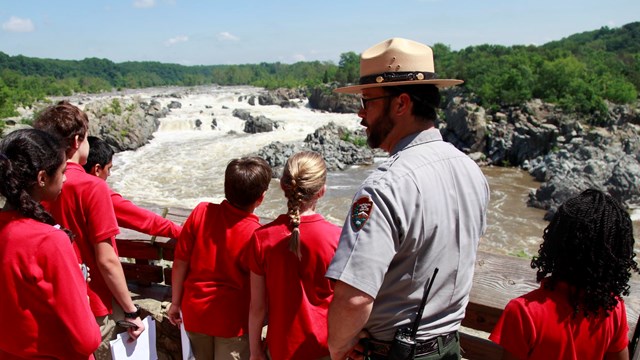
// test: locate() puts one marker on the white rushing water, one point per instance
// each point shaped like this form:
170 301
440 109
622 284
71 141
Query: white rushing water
183 166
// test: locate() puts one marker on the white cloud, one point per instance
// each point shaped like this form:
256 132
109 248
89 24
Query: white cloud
16 24
299 57
176 40
227 36
143 4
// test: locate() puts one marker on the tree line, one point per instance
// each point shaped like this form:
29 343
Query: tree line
579 73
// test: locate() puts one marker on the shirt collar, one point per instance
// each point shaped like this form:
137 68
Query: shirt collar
429 135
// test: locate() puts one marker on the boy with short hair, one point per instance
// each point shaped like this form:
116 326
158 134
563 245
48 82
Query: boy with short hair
85 208
129 215
210 280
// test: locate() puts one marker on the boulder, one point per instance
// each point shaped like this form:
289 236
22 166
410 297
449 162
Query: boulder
174 105
260 124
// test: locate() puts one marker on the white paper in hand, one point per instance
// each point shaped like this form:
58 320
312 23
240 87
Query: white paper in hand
187 353
144 348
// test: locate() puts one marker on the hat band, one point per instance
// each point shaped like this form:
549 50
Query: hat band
396 76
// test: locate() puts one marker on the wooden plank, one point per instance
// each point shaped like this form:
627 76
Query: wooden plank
500 278
481 317
167 276
476 348
168 249
497 279
178 213
139 250
632 302
128 234
142 274
634 348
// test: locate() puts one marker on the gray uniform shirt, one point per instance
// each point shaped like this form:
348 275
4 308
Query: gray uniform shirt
424 207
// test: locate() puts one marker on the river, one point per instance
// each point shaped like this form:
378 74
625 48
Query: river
184 165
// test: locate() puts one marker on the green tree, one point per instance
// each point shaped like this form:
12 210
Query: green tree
348 68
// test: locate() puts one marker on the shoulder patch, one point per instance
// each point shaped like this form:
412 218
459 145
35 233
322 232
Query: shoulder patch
360 212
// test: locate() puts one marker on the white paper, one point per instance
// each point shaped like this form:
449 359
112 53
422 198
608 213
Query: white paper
187 353
144 348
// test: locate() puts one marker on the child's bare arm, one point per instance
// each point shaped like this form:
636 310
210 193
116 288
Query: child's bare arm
111 269
622 355
178 275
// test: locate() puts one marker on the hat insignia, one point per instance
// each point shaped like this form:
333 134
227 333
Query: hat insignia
360 212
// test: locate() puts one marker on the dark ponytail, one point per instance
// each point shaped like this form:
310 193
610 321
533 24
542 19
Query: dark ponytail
23 154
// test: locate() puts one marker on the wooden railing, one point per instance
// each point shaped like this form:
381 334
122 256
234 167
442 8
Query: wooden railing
497 279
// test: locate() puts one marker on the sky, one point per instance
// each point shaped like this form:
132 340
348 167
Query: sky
212 32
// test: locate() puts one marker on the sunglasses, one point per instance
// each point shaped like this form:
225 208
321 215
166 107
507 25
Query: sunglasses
364 101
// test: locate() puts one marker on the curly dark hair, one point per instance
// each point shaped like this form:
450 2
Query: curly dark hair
589 245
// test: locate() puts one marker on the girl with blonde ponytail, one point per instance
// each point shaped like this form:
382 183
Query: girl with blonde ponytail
288 259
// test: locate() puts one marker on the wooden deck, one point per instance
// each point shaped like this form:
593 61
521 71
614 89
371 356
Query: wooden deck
497 279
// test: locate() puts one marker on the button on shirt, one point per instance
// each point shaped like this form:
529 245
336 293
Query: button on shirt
428 204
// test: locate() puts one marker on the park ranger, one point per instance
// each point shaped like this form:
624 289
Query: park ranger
423 208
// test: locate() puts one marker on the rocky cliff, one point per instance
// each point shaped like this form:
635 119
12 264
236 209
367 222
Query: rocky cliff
563 151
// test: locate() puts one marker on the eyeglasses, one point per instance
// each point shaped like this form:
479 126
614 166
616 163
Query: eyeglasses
364 101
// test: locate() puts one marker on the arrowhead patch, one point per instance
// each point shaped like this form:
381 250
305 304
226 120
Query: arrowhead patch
360 212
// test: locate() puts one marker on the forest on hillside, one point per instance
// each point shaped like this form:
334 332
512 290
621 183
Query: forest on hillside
579 73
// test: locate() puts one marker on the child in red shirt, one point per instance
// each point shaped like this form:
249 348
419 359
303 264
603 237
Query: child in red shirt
85 208
288 260
130 216
43 294
210 279
584 265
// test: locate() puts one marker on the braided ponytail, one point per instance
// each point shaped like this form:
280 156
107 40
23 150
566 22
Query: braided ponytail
293 206
303 178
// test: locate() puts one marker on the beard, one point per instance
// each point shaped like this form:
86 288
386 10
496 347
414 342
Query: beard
380 129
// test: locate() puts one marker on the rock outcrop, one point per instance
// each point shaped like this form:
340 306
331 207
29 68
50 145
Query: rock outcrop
323 98
125 124
558 149
331 141
608 161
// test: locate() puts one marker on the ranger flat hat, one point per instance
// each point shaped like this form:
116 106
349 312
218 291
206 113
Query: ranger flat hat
397 62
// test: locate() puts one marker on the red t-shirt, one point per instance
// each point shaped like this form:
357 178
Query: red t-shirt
298 294
44 311
84 207
136 218
216 292
541 325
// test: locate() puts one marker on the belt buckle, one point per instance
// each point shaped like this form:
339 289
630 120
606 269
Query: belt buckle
427 347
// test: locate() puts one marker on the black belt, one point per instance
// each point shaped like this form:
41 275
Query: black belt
425 347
